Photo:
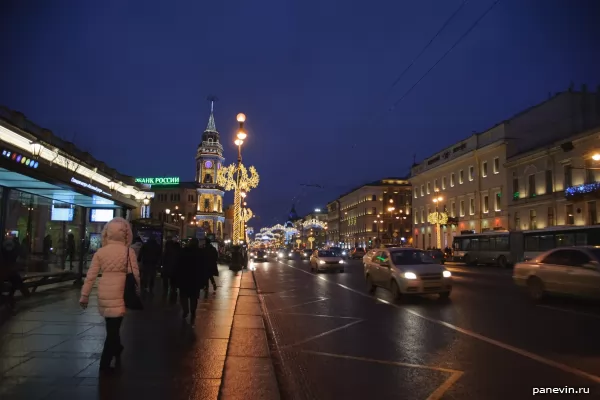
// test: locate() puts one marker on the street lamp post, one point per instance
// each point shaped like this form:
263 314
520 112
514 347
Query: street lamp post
391 209
145 209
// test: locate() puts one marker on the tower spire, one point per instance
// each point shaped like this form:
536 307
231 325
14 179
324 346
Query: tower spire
211 127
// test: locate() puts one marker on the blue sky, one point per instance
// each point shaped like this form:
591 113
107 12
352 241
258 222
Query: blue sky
128 81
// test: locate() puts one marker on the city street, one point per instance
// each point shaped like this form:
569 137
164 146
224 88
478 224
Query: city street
330 339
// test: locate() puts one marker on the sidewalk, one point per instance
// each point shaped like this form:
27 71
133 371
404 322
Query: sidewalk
52 351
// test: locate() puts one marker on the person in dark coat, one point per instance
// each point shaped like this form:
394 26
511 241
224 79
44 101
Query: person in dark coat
11 250
189 277
47 247
172 250
149 258
237 259
70 249
211 258
244 258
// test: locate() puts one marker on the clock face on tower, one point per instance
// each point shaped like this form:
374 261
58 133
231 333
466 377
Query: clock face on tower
208 164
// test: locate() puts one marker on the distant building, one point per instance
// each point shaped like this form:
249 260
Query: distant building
313 225
333 223
470 176
366 218
181 201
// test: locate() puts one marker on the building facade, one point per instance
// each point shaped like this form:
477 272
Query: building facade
176 204
378 212
468 180
557 185
228 226
313 225
333 223
209 160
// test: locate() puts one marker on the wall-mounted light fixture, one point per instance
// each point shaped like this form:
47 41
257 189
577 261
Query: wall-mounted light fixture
36 149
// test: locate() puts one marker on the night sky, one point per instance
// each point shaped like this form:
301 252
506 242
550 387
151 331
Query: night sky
128 80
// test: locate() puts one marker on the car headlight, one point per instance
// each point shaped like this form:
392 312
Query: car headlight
321 262
291 254
280 255
341 261
344 253
410 275
447 274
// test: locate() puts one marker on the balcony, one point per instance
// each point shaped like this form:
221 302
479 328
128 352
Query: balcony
583 191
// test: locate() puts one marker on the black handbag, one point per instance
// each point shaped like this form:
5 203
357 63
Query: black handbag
130 295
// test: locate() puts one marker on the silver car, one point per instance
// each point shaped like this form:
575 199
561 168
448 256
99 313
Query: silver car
407 271
324 259
573 271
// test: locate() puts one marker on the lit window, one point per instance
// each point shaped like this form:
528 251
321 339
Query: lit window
416 193
471 173
444 183
471 206
497 199
422 190
461 177
452 179
496 165
462 208
435 185
486 204
484 169
428 188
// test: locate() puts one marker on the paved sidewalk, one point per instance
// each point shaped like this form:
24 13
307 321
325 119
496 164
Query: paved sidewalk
52 351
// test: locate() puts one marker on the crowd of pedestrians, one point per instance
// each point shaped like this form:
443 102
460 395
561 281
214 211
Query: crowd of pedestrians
186 271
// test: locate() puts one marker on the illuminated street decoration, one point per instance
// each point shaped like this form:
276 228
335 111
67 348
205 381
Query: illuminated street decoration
169 180
20 159
438 218
246 179
314 223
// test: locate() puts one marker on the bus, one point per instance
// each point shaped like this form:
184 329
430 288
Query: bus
483 248
507 248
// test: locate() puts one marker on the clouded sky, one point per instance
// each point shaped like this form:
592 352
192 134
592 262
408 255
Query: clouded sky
128 81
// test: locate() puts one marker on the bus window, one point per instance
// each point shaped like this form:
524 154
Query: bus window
484 244
461 244
546 242
502 243
531 243
565 239
581 239
473 244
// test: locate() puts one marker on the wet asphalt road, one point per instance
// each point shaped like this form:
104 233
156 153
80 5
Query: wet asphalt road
332 340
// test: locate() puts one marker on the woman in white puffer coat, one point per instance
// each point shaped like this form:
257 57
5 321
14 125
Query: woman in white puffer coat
112 261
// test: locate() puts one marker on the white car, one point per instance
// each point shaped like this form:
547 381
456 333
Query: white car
571 271
324 259
407 271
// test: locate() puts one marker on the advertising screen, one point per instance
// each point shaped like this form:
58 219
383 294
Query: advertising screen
101 215
62 212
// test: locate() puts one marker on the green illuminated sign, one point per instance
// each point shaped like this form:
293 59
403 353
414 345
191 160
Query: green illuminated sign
169 180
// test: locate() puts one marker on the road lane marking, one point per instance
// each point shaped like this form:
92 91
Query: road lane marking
436 395
505 346
301 304
584 314
314 315
320 335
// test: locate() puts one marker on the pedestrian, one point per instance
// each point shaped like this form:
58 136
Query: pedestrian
113 260
172 250
70 249
211 259
150 257
47 247
190 278
245 257
137 246
237 259
11 250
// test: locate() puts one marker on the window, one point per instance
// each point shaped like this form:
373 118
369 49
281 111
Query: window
516 194
497 202
374 227
374 210
550 216
453 209
452 179
416 193
461 176
549 185
471 173
531 186
422 216
532 219
435 185
422 190
428 188
589 172
471 206
462 208
444 183
592 214
415 217
486 204
374 197
496 165
517 219
570 217
484 169
568 171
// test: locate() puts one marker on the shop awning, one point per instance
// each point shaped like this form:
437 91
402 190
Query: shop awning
50 191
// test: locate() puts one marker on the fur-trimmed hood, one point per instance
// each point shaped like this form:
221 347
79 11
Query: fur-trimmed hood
117 230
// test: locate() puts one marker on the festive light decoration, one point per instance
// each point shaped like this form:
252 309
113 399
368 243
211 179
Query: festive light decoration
582 189
21 159
438 218
240 179
311 240
314 223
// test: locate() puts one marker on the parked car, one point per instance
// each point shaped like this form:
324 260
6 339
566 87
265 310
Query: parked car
325 259
407 271
571 271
